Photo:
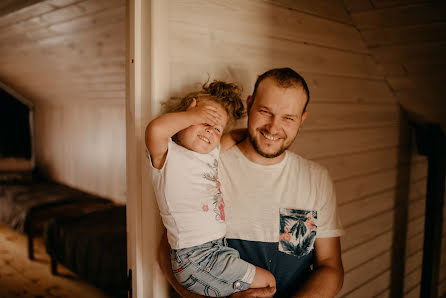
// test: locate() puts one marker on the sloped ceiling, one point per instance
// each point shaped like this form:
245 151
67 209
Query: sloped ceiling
65 51
408 38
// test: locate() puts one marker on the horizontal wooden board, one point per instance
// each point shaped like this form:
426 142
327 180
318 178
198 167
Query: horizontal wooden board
406 15
366 251
373 287
357 5
361 209
260 18
337 89
318 144
351 165
342 116
249 52
405 35
364 231
364 274
10 6
412 280
411 53
326 9
391 3
374 183
413 262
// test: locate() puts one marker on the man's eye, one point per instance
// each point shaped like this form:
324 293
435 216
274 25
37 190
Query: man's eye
217 129
289 119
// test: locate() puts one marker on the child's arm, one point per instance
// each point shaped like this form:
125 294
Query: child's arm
232 138
165 126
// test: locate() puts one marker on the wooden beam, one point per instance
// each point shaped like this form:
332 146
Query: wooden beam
431 141
9 6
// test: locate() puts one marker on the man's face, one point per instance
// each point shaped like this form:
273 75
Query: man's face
275 116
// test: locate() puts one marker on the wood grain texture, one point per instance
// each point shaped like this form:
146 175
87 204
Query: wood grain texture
21 277
68 57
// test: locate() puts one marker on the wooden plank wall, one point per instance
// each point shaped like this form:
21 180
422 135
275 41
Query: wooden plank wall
68 57
353 124
408 39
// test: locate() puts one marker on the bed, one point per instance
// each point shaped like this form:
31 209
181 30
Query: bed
93 246
27 203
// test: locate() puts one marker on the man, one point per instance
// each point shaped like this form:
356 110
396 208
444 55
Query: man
281 208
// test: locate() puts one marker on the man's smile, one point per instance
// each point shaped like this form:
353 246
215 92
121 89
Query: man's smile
268 136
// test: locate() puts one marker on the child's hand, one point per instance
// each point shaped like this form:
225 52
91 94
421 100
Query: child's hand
204 114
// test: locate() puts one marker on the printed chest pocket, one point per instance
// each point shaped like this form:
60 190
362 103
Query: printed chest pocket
298 230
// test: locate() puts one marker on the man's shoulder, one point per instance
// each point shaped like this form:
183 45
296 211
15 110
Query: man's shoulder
295 160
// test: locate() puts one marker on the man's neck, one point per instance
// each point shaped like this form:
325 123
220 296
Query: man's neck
250 153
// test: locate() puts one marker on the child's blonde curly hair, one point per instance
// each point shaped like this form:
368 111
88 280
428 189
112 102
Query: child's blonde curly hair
228 95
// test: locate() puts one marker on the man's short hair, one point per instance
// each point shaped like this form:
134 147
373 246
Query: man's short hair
285 78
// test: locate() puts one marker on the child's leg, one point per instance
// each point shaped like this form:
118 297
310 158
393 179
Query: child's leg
263 279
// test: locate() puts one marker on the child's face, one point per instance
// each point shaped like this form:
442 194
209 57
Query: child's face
203 138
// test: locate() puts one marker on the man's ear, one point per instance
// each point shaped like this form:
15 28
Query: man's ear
249 102
304 116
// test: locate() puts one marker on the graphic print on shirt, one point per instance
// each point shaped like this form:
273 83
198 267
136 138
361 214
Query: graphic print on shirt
215 187
297 231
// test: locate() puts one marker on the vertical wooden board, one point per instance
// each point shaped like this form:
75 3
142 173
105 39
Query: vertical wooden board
332 10
364 231
405 15
365 273
318 144
372 288
358 255
198 45
264 19
409 34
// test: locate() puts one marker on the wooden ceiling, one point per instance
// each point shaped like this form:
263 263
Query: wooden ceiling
64 51
408 38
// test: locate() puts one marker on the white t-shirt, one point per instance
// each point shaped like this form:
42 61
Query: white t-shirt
291 201
189 196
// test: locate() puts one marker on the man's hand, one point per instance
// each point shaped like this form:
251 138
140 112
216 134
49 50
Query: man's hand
259 292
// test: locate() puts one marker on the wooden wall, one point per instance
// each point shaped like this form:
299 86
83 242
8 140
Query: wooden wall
408 39
68 57
354 124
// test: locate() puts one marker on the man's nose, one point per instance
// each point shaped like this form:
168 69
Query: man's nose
273 125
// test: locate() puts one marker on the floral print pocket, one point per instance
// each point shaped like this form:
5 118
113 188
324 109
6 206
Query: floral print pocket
297 231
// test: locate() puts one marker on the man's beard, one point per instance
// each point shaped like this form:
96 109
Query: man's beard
267 155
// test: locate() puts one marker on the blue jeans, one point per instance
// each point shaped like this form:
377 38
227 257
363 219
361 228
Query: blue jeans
212 269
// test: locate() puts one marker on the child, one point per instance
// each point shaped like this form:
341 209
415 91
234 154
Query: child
183 148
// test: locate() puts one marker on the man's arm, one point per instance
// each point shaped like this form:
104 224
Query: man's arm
328 273
166 267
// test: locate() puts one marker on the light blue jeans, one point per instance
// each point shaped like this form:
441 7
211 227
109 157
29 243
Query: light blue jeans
212 269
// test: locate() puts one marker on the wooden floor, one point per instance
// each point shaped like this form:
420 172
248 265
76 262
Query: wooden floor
20 277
